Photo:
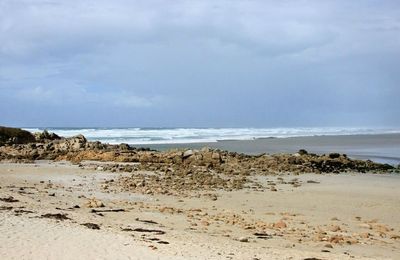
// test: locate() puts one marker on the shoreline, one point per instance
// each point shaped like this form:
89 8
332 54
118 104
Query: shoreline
383 148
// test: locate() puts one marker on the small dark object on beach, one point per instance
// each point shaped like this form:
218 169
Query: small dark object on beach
74 207
146 221
126 229
91 225
334 155
155 231
262 235
57 216
9 199
22 211
6 208
106 210
311 181
302 152
312 258
163 242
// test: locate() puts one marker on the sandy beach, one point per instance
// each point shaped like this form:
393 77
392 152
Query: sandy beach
327 216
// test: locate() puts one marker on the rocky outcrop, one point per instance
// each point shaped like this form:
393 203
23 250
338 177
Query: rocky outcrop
46 136
185 162
9 135
177 171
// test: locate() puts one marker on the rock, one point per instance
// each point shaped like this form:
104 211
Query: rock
302 152
77 142
91 225
243 239
365 235
94 203
216 156
365 225
46 136
334 155
124 147
187 154
395 237
280 224
9 135
381 228
334 228
205 223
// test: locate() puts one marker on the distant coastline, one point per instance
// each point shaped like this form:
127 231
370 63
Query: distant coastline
155 136
383 148
379 145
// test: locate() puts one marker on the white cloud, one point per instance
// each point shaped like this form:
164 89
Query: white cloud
78 95
231 56
129 100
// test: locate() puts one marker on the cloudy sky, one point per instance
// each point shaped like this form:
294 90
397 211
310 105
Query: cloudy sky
199 63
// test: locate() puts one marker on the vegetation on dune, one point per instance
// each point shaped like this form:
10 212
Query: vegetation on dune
15 136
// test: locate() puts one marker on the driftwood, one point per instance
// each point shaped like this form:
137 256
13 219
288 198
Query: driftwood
106 210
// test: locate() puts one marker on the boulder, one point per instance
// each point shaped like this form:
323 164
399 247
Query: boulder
334 155
302 152
46 136
9 135
187 154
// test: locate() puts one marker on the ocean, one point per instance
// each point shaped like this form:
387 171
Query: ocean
142 136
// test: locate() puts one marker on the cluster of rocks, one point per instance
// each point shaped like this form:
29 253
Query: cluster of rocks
178 183
176 170
186 162
45 136
49 146
230 163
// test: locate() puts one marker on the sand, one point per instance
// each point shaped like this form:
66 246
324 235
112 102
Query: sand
361 208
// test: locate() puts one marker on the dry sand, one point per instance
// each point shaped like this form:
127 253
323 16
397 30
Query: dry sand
348 216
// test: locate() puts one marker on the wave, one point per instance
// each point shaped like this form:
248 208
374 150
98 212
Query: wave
202 135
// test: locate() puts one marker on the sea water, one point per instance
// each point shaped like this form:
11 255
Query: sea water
137 135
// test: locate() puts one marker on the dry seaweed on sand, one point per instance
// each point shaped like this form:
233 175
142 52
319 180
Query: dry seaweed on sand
9 199
91 225
57 216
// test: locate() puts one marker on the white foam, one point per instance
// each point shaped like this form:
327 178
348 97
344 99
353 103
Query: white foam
202 135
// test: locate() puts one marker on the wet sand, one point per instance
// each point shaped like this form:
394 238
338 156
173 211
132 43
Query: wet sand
384 148
332 216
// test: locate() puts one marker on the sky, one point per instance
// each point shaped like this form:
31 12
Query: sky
202 63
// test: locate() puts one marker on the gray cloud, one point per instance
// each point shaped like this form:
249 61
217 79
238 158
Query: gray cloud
200 63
